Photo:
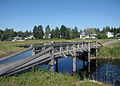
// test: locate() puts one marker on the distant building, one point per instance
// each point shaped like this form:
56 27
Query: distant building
84 36
109 34
117 35
93 36
30 37
17 38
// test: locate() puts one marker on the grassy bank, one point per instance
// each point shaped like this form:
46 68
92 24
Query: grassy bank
111 50
9 47
41 78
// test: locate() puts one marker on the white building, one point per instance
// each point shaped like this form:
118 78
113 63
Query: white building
93 36
84 36
109 34
30 37
117 35
17 38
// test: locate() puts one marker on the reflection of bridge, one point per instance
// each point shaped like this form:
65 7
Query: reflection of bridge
47 53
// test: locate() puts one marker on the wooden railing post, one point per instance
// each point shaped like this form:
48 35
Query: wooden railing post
33 51
60 50
78 46
67 48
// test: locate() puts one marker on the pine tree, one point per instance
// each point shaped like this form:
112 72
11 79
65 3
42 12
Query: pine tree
47 32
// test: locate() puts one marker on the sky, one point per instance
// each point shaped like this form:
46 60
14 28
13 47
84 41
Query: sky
25 14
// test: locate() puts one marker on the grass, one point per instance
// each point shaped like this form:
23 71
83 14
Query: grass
42 78
111 50
9 47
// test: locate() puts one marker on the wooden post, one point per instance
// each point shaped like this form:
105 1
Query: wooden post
74 64
74 58
52 61
74 49
67 48
89 59
96 49
78 46
88 52
60 50
33 51
89 69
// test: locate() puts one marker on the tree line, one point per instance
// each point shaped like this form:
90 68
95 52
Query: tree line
57 33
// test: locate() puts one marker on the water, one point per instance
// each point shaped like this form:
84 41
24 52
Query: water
107 71
17 57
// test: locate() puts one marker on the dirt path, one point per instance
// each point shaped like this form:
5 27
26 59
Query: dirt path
111 42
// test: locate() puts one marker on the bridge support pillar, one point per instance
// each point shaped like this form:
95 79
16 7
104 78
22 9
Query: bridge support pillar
33 51
88 52
89 69
96 49
74 64
52 61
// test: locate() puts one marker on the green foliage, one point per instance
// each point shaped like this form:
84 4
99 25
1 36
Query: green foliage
102 36
38 32
47 32
74 33
112 50
90 31
41 78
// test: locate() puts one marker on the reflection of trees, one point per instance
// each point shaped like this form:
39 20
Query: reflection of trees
111 62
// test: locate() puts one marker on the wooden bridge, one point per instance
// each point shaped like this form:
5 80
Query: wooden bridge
47 54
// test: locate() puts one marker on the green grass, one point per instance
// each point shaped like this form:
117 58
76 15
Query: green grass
9 47
42 78
111 50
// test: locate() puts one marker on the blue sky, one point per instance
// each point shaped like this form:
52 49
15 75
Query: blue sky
25 14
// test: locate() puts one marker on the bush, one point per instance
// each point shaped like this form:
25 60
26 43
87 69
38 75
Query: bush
102 36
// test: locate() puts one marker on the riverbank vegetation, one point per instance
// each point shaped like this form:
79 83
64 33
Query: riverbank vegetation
110 51
9 47
46 78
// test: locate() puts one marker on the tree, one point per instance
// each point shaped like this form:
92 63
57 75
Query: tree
57 32
47 32
106 29
6 34
67 34
63 30
1 33
35 31
40 33
90 31
53 33
11 34
102 36
26 33
75 32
